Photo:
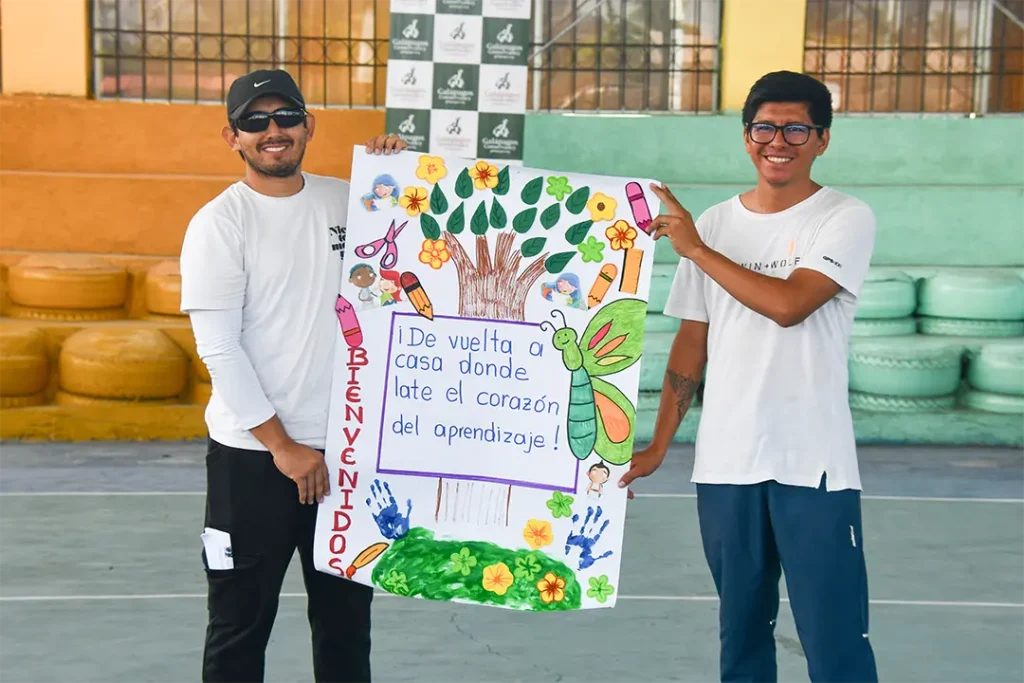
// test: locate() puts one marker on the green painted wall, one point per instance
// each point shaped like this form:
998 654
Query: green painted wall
946 191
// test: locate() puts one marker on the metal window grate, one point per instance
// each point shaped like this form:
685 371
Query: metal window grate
627 55
191 50
942 56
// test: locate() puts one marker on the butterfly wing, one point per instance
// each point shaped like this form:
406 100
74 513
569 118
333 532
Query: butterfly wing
616 418
614 338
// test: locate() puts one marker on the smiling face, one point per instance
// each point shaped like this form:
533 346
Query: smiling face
274 152
363 276
781 163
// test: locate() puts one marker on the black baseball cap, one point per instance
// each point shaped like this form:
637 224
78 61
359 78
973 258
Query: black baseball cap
261 83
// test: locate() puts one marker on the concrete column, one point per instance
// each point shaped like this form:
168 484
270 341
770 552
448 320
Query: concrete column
759 36
45 47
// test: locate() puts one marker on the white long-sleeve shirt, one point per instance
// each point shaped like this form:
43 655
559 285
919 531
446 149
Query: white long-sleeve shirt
259 279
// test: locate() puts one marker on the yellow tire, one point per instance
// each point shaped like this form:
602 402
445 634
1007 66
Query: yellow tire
65 398
24 361
163 289
67 281
201 393
80 315
8 402
123 363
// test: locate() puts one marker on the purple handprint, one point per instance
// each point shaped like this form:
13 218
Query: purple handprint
391 522
585 540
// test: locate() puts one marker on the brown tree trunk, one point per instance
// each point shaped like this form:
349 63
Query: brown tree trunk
495 290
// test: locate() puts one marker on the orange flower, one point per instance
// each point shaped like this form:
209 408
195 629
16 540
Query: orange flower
621 235
435 253
414 200
538 533
484 175
552 588
497 578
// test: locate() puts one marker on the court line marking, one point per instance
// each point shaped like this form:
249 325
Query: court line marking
634 598
916 499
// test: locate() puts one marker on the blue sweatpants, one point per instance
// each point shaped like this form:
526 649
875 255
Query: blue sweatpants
753 533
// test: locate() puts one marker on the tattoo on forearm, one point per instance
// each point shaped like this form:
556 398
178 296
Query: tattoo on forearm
683 387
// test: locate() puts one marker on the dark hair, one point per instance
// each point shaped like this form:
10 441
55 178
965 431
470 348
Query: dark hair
789 86
599 466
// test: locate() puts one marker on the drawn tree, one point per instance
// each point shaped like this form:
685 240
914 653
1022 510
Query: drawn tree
496 287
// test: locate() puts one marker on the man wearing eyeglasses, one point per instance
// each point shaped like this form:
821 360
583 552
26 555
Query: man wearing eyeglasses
766 291
261 269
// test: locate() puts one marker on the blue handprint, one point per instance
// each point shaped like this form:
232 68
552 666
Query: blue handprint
392 523
586 541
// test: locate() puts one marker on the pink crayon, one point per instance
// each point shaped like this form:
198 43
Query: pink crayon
638 203
349 323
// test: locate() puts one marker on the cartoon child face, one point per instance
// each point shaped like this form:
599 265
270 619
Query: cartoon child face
363 276
388 286
598 474
383 190
565 287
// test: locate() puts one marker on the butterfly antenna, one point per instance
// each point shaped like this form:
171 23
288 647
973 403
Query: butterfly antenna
553 328
562 315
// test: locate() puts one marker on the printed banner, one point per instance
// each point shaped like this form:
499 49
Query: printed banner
491 325
457 74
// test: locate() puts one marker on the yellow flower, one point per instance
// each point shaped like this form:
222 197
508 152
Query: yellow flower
601 207
538 533
431 169
484 175
552 588
497 578
414 200
435 253
621 235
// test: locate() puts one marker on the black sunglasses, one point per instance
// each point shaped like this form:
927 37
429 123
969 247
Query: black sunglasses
793 133
259 121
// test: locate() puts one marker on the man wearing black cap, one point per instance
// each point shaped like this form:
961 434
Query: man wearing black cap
261 269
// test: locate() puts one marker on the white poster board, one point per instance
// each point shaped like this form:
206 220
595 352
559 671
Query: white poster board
491 324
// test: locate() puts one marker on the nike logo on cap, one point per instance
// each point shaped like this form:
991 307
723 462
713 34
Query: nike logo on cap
256 85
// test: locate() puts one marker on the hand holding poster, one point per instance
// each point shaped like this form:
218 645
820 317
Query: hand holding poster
485 391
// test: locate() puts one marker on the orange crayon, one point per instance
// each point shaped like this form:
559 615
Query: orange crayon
631 270
601 284
417 297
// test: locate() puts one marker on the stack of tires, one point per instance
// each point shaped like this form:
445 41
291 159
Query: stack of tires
904 378
971 304
885 307
995 378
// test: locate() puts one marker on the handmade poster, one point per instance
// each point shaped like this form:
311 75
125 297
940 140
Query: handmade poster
490 329
457 74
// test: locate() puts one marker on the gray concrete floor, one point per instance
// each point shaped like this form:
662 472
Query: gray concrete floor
100 580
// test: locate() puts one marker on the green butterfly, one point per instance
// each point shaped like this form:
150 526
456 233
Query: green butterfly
600 417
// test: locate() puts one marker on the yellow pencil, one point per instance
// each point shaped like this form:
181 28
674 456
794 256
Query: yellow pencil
417 296
601 284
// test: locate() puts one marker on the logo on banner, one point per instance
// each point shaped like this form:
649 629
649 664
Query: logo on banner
509 9
457 38
410 77
501 130
411 36
455 86
505 41
459 6
408 126
454 128
503 82
460 32
501 136
413 126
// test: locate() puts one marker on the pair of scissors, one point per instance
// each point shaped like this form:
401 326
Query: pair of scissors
391 253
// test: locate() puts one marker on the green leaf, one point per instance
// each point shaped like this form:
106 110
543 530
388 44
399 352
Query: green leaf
577 201
457 221
478 224
557 262
524 220
464 184
531 191
551 216
431 230
438 202
503 182
533 247
498 218
576 233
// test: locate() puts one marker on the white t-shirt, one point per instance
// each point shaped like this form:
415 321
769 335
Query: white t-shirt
275 264
775 404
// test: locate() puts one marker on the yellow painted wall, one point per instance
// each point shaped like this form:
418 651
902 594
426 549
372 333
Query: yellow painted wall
45 46
759 36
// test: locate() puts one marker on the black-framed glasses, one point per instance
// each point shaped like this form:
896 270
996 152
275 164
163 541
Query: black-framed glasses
259 121
792 133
